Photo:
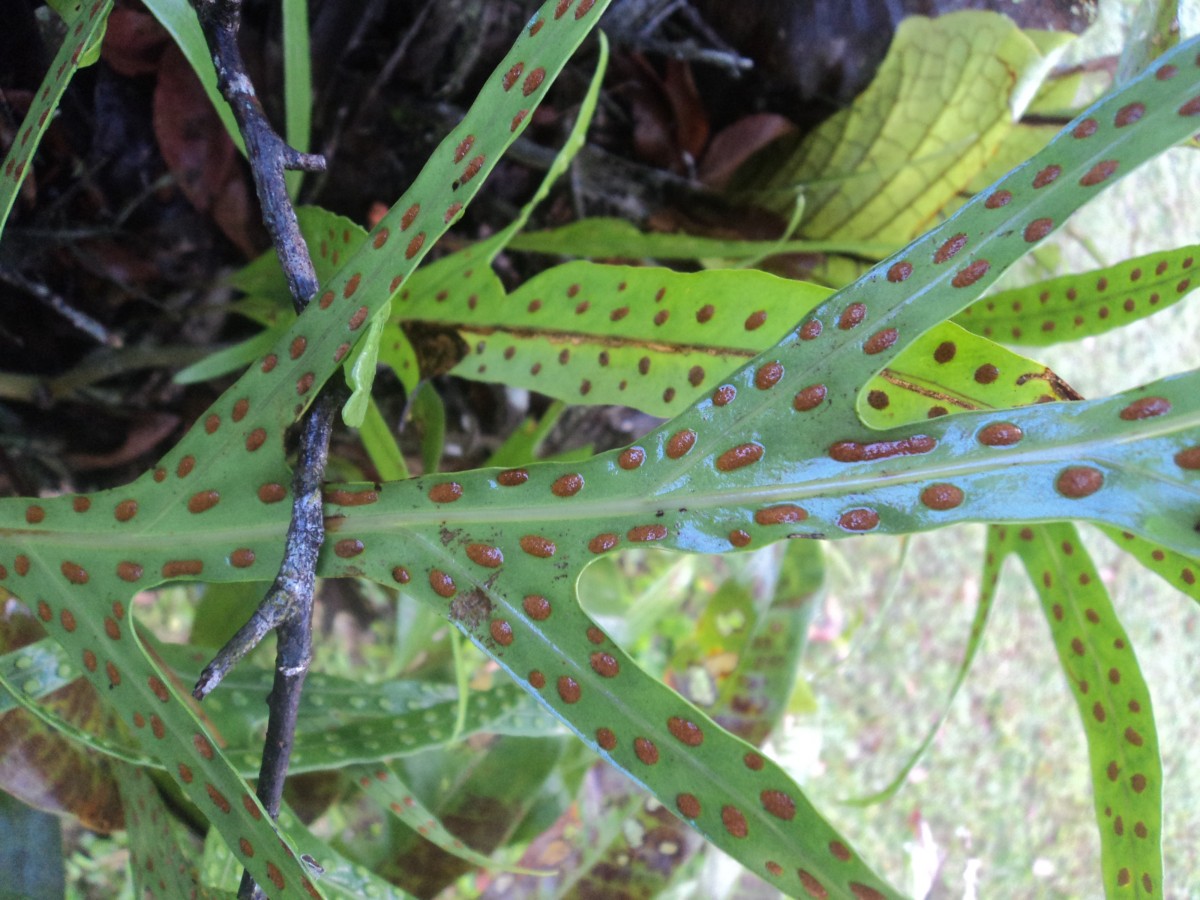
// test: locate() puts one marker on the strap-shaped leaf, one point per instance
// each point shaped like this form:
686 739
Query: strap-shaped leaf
776 451
86 22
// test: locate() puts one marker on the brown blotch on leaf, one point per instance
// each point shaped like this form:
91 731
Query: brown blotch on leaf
680 443
880 341
768 375
512 477
1129 114
783 514
129 571
203 501
74 573
1191 108
348 547
755 320
942 496
342 497
34 514
1038 229
852 316
878 400
739 538
1146 408
854 452
646 750
181 568
986 374
734 821
811 330
778 804
685 731
537 679
242 558
1188 458
1075 482
83 504
485 555
355 321
971 273
536 607
900 271
602 543
446 492
809 398
533 81
1046 176
502 632
605 664
442 584
299 345
400 575
1132 735
68 622
125 510
739 456
1099 173
569 689
536 545
950 248
998 199
1085 129
688 806
861 519
511 76
415 245
567 485
704 313
631 458
643 533
1000 434
256 439
272 492
606 739
724 395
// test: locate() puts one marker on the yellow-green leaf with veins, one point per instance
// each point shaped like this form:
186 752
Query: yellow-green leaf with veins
945 98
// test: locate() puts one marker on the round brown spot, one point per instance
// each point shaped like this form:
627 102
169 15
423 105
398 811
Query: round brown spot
942 496
83 504
1099 173
537 679
512 477
502 632
688 806
704 313
485 555
1000 434
685 731
1075 482
739 538
569 689
256 439
724 395
605 664
755 320
1085 129
602 543
442 584
536 607
861 519
643 533
400 575
21 564
348 548
734 821
567 485
852 316
739 456
125 510
606 739
34 514
1046 176
783 514
661 316
631 458
809 398
298 347
971 273
73 572
212 423
878 399
1038 229
778 804
880 341
811 330
1129 114
533 81
129 571
695 376
1146 408
272 492
446 492
1188 458
203 501
998 199
1138 783
950 248
987 374
840 851
768 375
900 271
536 545
240 408
1132 735
680 443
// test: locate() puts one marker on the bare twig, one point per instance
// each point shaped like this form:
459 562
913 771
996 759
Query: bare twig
288 604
